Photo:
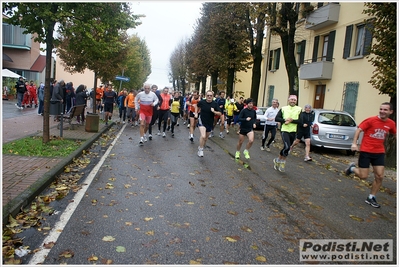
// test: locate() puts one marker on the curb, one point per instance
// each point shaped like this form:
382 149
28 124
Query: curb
26 197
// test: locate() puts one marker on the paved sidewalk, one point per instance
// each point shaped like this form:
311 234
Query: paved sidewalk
23 178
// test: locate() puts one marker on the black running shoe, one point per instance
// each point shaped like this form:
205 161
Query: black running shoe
348 170
372 202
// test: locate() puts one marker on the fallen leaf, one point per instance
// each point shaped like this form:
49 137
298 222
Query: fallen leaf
66 254
120 249
49 245
246 229
261 259
353 217
93 258
232 212
108 238
149 232
147 219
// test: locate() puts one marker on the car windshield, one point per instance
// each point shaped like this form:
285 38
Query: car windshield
259 112
339 119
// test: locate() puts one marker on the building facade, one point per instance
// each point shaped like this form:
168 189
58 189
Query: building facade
331 49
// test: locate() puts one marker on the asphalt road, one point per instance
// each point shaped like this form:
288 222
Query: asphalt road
162 204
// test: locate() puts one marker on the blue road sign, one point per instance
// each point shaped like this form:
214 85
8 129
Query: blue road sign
122 78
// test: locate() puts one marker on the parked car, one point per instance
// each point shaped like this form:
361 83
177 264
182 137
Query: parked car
333 129
260 118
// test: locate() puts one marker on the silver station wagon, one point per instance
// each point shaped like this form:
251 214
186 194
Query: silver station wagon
333 129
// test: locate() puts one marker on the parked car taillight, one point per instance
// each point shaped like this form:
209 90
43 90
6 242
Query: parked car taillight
315 129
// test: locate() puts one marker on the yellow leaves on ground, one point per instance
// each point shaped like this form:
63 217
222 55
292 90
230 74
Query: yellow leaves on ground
353 217
108 238
109 186
147 219
232 238
120 249
92 258
67 254
260 258
150 232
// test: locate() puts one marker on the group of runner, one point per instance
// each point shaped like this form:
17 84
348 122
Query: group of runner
207 111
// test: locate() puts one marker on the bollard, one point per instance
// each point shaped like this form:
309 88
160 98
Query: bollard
92 122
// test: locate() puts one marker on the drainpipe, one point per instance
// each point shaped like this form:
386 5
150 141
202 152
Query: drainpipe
266 67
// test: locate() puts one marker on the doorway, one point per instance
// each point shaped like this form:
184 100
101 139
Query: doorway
319 96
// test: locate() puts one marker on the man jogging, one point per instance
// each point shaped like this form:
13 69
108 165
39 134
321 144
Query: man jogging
372 150
288 117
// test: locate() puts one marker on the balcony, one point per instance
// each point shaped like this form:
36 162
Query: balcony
322 17
321 70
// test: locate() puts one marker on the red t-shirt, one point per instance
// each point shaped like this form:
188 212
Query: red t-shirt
375 131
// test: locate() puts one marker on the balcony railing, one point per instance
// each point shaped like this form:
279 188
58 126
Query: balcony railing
320 70
322 17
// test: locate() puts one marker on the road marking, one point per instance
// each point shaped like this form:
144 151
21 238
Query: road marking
40 256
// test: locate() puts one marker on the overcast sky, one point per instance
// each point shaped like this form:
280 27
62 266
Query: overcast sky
166 24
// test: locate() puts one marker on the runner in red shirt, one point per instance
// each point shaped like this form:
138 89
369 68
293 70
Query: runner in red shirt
372 151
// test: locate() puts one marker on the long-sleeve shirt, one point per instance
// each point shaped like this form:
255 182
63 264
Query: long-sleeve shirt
245 124
147 101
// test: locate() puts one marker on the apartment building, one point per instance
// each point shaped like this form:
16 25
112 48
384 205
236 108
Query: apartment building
21 54
331 49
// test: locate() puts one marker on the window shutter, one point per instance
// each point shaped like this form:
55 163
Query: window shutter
315 48
270 59
330 46
368 37
302 54
278 51
270 95
348 41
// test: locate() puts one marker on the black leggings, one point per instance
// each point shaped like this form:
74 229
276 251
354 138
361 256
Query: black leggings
288 139
269 128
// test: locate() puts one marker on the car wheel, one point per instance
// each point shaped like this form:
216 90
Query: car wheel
350 153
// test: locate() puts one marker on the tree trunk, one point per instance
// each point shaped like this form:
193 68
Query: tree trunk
390 142
288 19
256 75
203 84
214 81
94 94
256 51
230 81
47 96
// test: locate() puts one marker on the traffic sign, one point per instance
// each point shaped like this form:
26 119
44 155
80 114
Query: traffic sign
122 78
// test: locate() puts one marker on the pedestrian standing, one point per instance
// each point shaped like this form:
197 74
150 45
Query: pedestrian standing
247 118
81 99
289 118
270 125
305 125
40 94
372 151
208 110
21 89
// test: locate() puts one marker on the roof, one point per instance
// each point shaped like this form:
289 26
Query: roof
39 64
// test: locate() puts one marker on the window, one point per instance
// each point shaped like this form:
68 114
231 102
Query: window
360 36
13 35
270 95
325 45
350 97
274 59
300 52
360 40
327 48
